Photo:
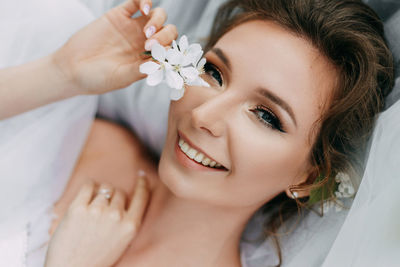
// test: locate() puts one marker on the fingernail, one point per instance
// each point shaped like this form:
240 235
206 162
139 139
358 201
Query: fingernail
149 44
150 31
141 173
146 9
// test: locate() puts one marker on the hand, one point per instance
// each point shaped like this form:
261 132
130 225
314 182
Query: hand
96 230
106 54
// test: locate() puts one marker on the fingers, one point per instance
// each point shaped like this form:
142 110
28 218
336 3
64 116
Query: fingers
84 196
101 200
145 6
130 7
118 201
164 37
139 201
158 16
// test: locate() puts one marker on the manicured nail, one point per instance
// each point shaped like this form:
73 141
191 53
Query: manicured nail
149 44
146 9
150 31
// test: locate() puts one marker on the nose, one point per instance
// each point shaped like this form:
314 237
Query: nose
211 115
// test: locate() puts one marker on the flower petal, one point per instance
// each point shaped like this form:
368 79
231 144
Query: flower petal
174 45
155 78
176 94
195 49
149 67
202 82
190 73
198 82
200 65
173 79
183 43
158 52
167 66
174 57
197 58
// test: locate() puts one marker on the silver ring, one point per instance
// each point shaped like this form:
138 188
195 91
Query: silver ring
106 192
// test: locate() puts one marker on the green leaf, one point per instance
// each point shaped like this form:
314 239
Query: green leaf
321 192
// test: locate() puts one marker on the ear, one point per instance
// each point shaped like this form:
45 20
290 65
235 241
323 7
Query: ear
301 189
298 191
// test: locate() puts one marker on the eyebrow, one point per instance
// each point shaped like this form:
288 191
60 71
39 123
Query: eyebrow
280 102
222 56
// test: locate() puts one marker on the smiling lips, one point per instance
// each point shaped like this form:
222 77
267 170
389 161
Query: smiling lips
197 156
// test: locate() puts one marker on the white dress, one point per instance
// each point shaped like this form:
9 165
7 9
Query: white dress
38 149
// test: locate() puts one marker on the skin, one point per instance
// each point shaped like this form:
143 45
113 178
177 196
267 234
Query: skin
103 56
202 212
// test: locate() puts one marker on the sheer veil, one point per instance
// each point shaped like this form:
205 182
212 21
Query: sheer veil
368 234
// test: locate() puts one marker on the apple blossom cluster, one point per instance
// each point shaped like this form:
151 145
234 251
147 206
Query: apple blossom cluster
345 190
179 65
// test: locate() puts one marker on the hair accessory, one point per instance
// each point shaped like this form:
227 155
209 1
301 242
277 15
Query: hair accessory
179 65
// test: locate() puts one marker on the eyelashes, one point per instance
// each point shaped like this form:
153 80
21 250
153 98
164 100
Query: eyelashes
268 118
263 114
212 71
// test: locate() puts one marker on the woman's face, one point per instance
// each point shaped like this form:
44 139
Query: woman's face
268 87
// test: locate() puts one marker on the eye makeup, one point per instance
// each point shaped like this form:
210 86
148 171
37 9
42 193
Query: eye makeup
267 117
214 73
262 113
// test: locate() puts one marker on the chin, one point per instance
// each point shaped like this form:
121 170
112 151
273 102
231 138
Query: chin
171 176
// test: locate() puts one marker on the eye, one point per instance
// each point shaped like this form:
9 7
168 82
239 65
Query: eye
211 70
268 118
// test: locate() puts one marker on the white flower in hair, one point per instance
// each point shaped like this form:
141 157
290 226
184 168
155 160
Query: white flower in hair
345 187
179 65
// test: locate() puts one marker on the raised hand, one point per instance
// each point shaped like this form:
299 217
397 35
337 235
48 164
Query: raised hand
106 54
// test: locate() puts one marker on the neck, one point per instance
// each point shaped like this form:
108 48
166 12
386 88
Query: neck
182 232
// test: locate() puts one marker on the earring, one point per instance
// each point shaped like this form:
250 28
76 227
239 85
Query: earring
295 195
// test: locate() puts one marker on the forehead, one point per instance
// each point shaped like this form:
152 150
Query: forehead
263 54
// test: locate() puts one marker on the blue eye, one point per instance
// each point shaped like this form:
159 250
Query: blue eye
268 118
213 72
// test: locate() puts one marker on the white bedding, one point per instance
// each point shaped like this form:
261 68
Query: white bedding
38 149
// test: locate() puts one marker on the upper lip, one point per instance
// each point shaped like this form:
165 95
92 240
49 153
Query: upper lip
197 148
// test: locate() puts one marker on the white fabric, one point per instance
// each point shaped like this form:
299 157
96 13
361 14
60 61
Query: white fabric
38 149
12 249
370 235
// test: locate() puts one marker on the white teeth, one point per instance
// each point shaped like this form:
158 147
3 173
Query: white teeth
191 153
185 147
197 156
206 161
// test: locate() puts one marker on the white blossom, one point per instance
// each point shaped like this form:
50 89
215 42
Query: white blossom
157 71
345 187
181 64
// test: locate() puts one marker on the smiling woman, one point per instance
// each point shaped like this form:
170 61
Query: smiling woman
295 86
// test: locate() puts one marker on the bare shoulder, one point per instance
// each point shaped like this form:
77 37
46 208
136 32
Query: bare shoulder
112 154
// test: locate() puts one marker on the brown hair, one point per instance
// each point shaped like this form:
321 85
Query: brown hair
350 35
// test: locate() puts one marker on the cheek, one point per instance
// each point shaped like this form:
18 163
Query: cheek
266 165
